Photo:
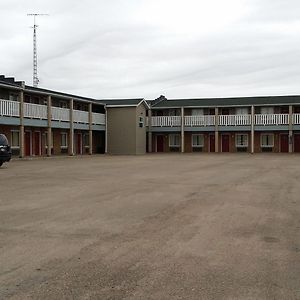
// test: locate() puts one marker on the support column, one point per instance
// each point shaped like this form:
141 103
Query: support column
90 129
49 129
252 128
290 128
106 132
22 130
182 129
217 129
150 131
71 136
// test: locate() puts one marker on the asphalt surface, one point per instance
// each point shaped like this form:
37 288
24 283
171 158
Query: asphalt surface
193 226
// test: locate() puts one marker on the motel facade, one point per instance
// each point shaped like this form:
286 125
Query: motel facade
34 118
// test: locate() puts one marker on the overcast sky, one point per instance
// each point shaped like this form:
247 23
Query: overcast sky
145 48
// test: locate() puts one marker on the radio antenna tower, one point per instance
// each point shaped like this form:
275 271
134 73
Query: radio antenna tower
35 62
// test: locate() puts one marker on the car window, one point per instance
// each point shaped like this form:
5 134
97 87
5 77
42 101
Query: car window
3 140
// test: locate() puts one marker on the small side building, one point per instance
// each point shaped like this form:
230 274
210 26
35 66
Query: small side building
126 126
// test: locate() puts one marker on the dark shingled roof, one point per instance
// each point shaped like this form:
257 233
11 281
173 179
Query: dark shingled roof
236 101
41 90
122 102
11 82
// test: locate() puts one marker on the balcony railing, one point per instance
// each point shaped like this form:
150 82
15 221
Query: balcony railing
199 121
98 118
80 116
272 119
234 120
60 114
224 120
9 108
296 119
166 121
35 111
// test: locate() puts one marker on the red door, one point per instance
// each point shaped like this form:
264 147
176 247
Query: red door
27 140
78 143
37 143
160 143
297 143
284 143
225 143
212 143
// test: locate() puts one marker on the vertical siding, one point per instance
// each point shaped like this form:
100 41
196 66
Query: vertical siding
121 130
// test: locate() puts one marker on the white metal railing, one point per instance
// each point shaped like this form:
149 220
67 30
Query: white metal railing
234 120
35 111
60 114
9 108
191 121
296 119
166 121
80 116
272 119
98 119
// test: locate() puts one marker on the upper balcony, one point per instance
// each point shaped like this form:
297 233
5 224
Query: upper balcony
37 111
225 120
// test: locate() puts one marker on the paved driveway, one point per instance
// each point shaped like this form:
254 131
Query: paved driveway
151 227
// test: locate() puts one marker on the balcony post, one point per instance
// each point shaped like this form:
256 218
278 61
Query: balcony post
90 128
252 128
182 129
150 131
71 136
22 130
216 129
49 130
290 128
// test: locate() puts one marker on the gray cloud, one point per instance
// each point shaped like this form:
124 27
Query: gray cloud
131 49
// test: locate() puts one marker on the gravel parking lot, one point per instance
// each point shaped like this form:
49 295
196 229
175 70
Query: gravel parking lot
170 226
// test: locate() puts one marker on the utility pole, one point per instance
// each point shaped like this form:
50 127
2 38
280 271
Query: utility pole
35 62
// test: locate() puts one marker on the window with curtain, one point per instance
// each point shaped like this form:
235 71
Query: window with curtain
197 140
174 140
267 140
241 140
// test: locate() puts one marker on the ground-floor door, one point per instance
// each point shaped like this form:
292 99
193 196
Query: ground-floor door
27 141
212 143
284 143
78 143
225 142
297 142
159 143
37 143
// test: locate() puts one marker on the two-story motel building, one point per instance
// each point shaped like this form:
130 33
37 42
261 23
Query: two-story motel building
246 124
33 118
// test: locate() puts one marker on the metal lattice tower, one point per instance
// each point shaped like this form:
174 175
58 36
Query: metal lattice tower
35 61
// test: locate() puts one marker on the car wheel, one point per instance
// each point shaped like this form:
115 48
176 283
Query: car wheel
1 163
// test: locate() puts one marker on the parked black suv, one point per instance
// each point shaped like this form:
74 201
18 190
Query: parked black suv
5 150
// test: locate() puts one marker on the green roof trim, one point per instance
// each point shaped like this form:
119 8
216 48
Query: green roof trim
236 101
122 102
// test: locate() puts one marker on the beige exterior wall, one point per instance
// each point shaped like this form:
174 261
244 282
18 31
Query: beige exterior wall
121 130
124 134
